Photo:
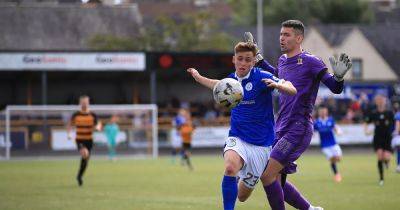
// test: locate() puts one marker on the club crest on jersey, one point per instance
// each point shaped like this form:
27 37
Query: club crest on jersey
248 86
299 60
231 142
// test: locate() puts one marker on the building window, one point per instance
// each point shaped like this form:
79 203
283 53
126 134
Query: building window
357 68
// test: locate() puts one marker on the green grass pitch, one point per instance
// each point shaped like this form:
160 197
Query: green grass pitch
160 185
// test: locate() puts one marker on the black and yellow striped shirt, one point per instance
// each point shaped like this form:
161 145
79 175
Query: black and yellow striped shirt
85 123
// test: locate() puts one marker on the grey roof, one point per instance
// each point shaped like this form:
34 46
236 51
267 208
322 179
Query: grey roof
334 34
388 17
68 27
65 27
385 38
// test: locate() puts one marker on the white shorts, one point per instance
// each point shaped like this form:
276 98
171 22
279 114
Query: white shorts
255 159
332 151
176 139
396 141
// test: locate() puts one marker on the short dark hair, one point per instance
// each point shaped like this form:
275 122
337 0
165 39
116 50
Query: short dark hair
297 25
246 47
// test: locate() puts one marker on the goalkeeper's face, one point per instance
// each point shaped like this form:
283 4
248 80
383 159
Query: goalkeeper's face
289 39
243 61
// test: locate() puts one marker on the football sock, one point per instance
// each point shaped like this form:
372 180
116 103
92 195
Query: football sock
82 168
274 193
188 162
229 192
111 152
386 162
294 198
173 155
334 168
80 181
380 169
283 179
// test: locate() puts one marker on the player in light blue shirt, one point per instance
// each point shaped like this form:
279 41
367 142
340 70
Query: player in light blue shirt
251 135
111 131
325 126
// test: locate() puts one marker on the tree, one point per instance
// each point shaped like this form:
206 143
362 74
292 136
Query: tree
244 11
341 11
277 11
325 11
194 32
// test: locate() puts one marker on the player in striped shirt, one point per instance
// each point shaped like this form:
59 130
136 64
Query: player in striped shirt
84 122
186 131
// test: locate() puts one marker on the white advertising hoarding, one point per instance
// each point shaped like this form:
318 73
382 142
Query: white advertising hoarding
215 136
73 61
60 139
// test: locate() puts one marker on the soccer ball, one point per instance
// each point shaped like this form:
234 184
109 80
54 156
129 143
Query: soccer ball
228 93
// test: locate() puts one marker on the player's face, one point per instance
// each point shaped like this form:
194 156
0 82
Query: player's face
243 61
114 119
84 103
323 112
289 40
380 102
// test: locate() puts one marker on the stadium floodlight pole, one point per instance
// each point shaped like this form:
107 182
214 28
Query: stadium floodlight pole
260 25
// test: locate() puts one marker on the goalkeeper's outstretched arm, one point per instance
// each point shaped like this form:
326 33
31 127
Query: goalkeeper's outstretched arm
207 82
340 67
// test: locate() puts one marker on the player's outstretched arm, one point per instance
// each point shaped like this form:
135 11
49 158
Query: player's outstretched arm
207 82
337 130
260 61
264 65
282 85
69 129
397 127
367 131
340 67
99 126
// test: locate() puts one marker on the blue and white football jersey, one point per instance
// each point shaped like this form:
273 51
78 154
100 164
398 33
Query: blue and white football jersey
325 130
397 116
178 121
253 119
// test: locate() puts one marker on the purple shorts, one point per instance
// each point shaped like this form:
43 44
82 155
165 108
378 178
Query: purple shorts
290 144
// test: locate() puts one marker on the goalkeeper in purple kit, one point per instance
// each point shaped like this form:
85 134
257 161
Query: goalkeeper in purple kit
294 125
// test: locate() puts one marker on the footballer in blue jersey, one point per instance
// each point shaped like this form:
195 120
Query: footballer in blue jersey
251 134
325 126
176 140
396 136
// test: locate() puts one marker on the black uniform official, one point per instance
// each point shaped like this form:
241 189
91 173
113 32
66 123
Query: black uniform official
384 122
